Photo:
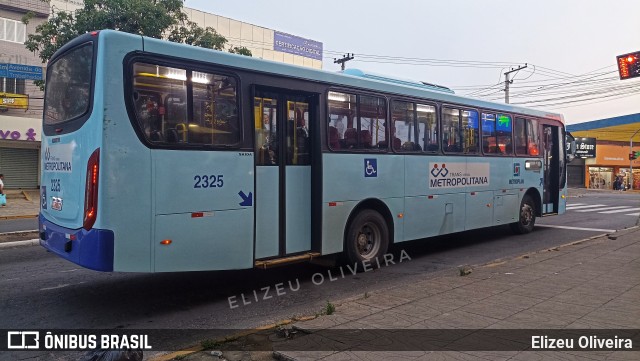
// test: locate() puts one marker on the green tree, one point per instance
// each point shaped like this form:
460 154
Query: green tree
162 19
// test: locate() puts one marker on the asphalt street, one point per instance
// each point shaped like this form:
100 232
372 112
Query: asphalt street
40 290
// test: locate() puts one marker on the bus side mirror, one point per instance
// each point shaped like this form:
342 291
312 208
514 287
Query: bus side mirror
571 149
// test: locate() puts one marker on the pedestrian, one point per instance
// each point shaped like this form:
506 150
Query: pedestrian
3 197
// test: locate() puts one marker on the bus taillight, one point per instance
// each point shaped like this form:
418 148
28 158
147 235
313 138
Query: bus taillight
91 190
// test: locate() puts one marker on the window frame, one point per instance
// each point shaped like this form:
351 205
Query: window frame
496 113
358 94
16 24
416 102
74 124
189 67
463 108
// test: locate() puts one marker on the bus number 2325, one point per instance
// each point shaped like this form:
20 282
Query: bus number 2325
210 181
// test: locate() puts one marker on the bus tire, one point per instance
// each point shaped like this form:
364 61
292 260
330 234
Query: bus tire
367 238
527 216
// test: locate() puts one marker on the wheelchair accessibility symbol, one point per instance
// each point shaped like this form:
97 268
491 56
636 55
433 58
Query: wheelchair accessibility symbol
370 168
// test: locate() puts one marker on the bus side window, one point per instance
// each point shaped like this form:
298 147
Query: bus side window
533 137
520 133
403 126
503 134
427 128
342 117
489 142
470 131
451 130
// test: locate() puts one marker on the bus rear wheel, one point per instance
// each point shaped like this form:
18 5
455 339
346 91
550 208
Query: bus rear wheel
367 237
527 218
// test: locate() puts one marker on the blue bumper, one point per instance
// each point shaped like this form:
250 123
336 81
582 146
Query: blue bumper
91 249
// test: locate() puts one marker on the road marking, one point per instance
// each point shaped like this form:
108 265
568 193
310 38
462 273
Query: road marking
621 210
602 209
575 204
56 287
581 207
634 214
578 228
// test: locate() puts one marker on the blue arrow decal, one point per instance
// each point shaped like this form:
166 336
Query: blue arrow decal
247 200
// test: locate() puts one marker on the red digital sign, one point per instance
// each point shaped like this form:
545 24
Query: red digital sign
629 65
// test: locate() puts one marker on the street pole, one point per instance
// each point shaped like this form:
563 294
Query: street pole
507 82
631 160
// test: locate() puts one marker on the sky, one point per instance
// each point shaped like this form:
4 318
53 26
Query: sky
568 46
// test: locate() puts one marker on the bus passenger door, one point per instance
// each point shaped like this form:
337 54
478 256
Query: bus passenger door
283 173
551 157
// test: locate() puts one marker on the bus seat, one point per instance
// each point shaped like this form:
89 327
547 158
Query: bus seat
397 143
351 138
508 149
453 148
156 136
433 147
171 135
334 142
365 138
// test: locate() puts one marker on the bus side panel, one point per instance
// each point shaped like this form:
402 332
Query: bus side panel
199 207
220 240
125 164
431 211
351 178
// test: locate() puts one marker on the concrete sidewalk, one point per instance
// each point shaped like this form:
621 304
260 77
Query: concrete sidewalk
21 204
590 284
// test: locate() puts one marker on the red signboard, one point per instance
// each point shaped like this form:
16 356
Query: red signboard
629 65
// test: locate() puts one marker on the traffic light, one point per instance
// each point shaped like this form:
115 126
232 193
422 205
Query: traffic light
629 65
634 155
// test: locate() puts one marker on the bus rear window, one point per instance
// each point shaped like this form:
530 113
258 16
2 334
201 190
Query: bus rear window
68 87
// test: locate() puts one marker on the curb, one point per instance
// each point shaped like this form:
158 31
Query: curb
19 217
31 242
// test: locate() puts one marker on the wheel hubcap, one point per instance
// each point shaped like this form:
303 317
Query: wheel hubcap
368 240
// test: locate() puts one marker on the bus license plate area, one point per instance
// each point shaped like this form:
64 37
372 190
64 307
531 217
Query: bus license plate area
56 203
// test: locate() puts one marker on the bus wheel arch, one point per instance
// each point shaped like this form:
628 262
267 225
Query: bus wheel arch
368 232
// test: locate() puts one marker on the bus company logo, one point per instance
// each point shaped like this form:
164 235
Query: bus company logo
516 169
23 340
370 167
57 159
458 175
439 172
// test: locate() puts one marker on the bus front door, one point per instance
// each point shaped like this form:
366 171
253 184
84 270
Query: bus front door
551 156
283 174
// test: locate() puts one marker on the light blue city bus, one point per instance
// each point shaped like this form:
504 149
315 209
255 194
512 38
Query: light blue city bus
164 157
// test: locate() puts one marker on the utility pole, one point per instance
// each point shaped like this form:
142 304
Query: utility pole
507 82
344 59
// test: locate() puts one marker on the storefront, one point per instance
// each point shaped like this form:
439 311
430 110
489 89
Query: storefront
20 152
610 169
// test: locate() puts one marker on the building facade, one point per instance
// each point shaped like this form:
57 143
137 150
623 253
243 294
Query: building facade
21 102
611 165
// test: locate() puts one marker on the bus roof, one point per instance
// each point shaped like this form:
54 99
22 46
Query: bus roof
349 79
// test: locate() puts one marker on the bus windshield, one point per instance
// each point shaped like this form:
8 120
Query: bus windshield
69 86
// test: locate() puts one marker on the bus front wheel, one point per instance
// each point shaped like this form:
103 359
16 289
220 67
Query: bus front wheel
367 238
527 218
